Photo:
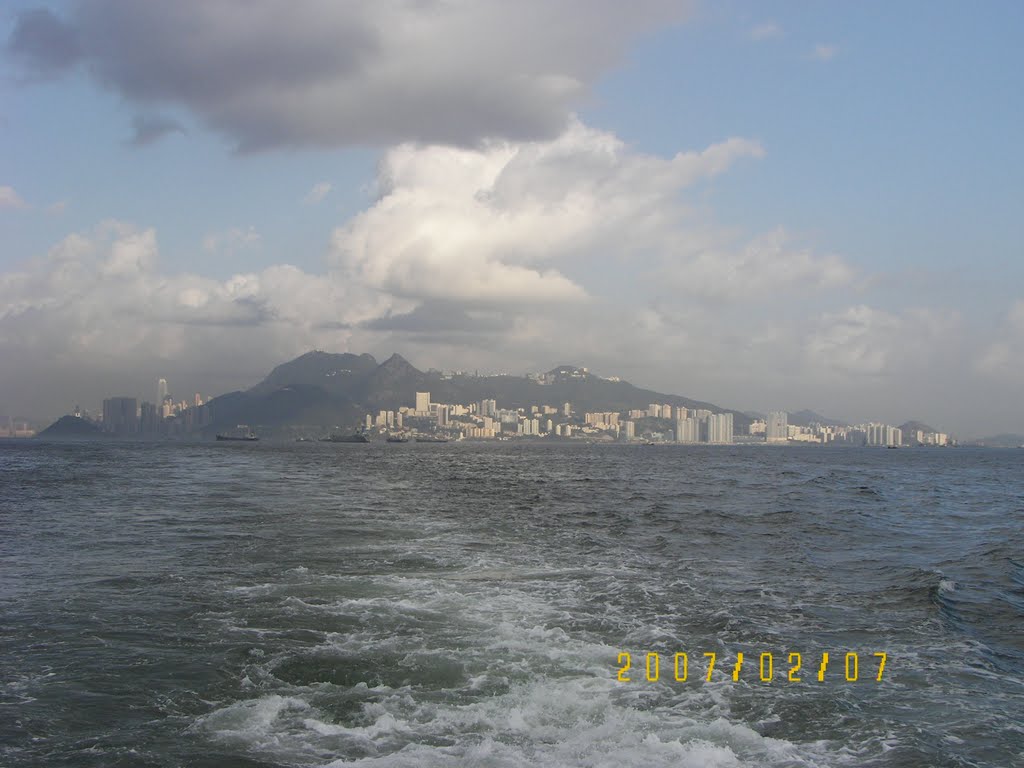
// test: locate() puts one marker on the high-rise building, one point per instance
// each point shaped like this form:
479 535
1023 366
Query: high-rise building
776 429
161 392
687 431
720 428
121 415
422 402
883 434
149 419
630 430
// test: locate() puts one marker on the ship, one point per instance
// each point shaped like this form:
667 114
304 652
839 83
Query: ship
397 439
242 434
431 439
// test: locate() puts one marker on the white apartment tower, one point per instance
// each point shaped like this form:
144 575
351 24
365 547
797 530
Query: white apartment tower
777 426
720 428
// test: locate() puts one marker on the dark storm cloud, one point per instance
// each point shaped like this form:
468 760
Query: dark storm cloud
147 129
48 45
324 73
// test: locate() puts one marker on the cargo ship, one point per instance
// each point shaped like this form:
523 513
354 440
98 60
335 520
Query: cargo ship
242 434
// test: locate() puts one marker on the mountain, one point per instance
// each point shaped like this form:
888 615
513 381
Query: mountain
805 418
914 426
323 390
1000 441
332 373
70 427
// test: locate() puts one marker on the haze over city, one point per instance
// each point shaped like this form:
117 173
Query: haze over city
764 205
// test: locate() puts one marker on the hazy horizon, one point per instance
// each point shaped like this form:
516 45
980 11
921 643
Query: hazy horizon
762 206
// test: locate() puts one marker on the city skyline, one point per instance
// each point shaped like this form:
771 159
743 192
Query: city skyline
167 406
764 205
486 419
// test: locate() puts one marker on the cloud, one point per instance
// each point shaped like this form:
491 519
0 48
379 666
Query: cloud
147 129
97 307
512 256
1003 356
323 73
231 241
766 31
824 52
532 221
48 43
317 194
862 341
760 269
9 198
434 317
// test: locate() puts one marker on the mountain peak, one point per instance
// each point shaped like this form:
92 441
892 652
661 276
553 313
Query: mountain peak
396 360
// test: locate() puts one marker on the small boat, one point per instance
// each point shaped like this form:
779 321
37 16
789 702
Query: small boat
431 439
397 439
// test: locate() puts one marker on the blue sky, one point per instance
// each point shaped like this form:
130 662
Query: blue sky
860 254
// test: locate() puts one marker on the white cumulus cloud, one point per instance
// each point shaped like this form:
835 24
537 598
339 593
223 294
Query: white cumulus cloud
9 198
317 194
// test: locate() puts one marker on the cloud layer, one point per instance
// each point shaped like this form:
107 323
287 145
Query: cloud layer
514 256
324 73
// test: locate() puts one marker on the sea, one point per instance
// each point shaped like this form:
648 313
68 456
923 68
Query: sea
247 605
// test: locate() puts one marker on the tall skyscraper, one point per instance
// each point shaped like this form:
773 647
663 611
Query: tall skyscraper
121 415
149 419
161 392
777 426
422 402
720 428
687 431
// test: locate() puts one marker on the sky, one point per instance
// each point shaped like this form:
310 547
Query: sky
764 205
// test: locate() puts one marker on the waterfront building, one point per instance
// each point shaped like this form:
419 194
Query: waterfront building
777 427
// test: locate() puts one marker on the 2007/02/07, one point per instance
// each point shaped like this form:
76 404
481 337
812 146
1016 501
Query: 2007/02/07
766 667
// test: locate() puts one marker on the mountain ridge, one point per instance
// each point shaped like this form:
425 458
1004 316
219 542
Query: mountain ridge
338 389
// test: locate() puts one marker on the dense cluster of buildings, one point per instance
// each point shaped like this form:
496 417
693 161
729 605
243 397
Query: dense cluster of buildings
126 416
776 429
656 423
485 420
16 428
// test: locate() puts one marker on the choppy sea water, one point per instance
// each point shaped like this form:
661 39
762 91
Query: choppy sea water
467 604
